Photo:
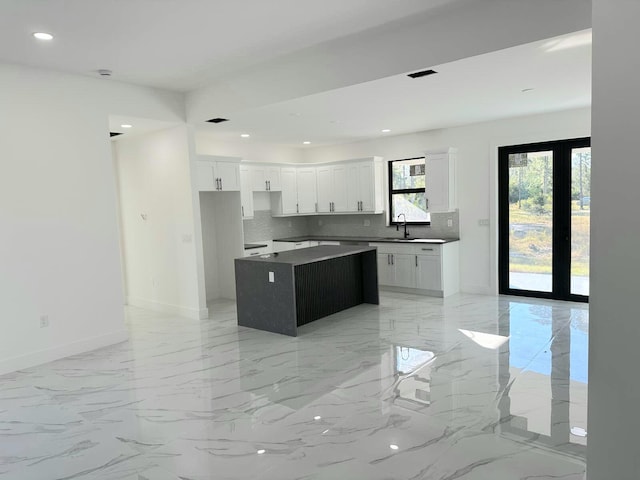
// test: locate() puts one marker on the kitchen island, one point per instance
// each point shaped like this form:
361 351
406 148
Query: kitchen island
282 291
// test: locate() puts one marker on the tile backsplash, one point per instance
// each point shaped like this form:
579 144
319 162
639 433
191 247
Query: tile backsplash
354 225
265 227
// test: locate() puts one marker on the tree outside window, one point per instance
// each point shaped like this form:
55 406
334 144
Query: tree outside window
407 191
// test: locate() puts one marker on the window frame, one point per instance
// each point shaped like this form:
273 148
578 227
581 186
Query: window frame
391 191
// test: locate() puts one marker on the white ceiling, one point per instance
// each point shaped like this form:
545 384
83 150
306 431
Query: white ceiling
181 44
471 90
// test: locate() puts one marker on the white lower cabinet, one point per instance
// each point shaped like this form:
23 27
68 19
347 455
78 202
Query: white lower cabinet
428 272
405 270
431 269
386 271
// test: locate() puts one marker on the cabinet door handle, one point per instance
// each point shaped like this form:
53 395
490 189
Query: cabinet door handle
297 208
427 203
416 260
393 260
242 210
266 185
316 206
428 249
254 253
220 184
388 259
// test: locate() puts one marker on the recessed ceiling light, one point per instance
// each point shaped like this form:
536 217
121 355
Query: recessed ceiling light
394 447
260 452
126 126
306 143
317 417
525 90
43 36
386 130
245 135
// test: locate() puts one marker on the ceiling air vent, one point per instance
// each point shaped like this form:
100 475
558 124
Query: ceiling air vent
114 134
218 120
423 73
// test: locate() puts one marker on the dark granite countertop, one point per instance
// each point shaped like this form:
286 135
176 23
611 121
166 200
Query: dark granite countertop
308 255
249 246
329 238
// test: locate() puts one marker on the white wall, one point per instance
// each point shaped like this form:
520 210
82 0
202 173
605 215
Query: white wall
614 333
154 175
58 224
250 150
477 175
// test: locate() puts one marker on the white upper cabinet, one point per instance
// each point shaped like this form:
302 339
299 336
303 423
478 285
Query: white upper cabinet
266 178
206 179
307 189
333 187
273 179
246 192
351 186
340 184
218 174
440 180
365 186
325 189
289 195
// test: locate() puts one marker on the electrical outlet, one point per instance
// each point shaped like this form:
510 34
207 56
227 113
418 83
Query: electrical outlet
450 222
367 223
187 238
290 224
319 223
44 321
272 277
483 222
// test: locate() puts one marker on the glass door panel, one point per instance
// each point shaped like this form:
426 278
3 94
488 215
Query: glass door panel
580 219
531 221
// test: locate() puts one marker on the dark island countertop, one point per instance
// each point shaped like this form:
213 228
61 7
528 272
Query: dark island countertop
329 238
309 255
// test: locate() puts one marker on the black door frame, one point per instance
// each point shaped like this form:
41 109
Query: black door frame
561 264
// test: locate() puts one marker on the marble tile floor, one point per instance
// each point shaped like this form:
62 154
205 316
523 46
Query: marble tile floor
470 387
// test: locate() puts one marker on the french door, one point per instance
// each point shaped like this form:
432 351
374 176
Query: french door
544 219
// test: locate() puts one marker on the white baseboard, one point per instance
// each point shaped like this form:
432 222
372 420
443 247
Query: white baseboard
56 353
187 312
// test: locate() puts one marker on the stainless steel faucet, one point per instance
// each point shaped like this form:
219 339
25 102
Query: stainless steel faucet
406 234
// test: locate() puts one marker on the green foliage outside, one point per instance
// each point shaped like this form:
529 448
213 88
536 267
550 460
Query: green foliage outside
530 213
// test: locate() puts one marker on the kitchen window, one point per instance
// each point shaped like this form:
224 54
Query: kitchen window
407 192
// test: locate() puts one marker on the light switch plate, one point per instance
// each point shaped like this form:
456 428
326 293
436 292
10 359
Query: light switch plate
449 223
367 223
272 277
483 222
